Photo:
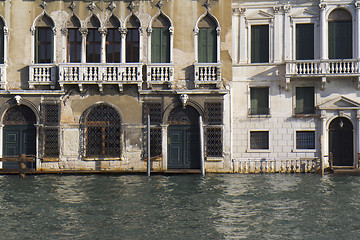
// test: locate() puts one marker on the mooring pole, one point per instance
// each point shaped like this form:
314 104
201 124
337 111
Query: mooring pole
202 147
322 157
148 145
22 166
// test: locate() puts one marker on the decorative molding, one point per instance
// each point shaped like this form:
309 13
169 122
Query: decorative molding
83 31
159 5
196 31
242 11
103 31
33 31
123 30
72 6
6 31
64 31
43 5
140 31
322 6
218 30
184 99
207 5
131 6
149 31
91 6
276 9
171 30
287 8
357 5
112 6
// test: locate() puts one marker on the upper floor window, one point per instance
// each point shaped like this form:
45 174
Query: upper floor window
43 47
74 40
132 39
304 41
259 101
93 41
304 100
340 34
259 140
113 41
2 45
207 40
160 40
260 43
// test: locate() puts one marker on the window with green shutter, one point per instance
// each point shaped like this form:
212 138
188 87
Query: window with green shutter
340 34
304 100
160 45
259 101
260 43
207 45
304 41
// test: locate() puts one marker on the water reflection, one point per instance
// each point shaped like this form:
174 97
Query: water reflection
274 206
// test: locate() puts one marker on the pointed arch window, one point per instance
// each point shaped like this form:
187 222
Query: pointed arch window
74 41
340 34
44 40
93 41
113 41
160 40
207 40
132 40
2 42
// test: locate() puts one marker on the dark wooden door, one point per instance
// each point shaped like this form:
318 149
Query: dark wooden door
183 147
341 144
19 139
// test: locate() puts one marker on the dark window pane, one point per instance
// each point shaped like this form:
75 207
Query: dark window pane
93 46
74 45
132 45
340 40
259 140
43 47
305 100
113 43
304 41
259 43
259 100
160 45
305 139
214 143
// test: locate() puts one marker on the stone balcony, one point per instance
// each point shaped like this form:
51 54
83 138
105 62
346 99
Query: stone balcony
160 73
100 74
42 74
323 69
2 76
207 73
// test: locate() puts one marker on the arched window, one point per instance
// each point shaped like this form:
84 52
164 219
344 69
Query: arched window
207 40
93 41
132 39
340 34
44 40
113 41
160 40
73 40
103 132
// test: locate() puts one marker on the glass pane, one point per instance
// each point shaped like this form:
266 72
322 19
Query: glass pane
305 100
304 41
259 100
259 43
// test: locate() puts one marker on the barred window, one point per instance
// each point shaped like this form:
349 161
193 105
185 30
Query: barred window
214 113
305 139
19 115
50 118
154 110
214 142
103 132
155 142
259 140
50 113
51 142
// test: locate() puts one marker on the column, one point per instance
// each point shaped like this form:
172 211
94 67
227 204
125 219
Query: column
164 131
84 33
64 33
196 49
171 31
149 31
277 33
54 45
103 33
287 34
357 32
123 32
6 43
324 139
33 31
323 33
242 36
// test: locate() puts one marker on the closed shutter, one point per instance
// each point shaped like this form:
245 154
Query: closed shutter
160 45
259 100
2 47
304 41
207 45
37 45
340 40
304 100
260 44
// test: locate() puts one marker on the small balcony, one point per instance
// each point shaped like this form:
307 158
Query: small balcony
2 76
160 73
100 73
207 73
322 68
42 74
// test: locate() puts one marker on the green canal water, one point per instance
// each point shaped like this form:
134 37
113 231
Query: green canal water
217 206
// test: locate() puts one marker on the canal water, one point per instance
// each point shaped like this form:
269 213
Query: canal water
217 206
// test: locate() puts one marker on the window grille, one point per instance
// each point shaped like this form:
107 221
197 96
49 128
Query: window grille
155 112
155 142
103 132
19 115
259 140
50 113
50 141
214 113
305 139
49 133
184 116
214 142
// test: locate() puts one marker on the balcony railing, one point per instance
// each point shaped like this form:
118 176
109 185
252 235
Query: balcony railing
42 74
308 68
2 76
101 73
160 73
207 73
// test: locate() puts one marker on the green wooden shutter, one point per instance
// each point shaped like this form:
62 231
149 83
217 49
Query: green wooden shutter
36 45
165 45
304 100
340 40
202 43
260 44
207 44
259 100
160 45
304 41
2 47
155 45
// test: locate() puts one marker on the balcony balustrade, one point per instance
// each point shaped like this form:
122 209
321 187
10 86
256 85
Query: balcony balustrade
160 73
42 74
207 73
101 73
2 76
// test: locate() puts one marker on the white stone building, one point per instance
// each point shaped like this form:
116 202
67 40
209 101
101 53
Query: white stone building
295 92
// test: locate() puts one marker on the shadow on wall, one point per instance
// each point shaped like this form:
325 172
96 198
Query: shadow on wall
24 77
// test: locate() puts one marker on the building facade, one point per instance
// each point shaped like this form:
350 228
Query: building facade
295 90
78 80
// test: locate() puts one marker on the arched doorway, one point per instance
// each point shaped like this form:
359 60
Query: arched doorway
341 145
183 139
19 135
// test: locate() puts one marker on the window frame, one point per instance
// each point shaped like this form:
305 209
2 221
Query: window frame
253 48
296 149
39 45
250 149
111 44
250 114
129 45
298 42
77 44
92 44
295 101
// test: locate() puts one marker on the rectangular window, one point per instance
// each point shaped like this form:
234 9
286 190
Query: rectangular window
305 139
304 100
51 142
113 43
214 113
260 43
214 146
160 45
93 46
259 140
2 47
304 41
132 45
155 142
207 45
340 40
259 101
43 47
74 45
50 118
